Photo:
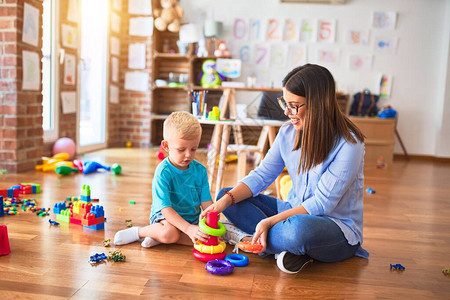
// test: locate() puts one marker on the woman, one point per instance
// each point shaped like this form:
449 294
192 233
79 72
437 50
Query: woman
323 152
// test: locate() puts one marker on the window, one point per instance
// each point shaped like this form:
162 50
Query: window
49 71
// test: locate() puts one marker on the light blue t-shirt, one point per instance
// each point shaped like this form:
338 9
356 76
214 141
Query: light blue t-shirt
183 190
334 188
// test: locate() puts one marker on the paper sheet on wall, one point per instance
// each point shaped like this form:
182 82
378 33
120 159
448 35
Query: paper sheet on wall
115 23
360 62
136 81
141 26
327 31
69 36
30 29
386 45
72 11
68 101
114 69
31 77
136 56
328 57
357 37
113 94
140 7
278 55
297 55
115 46
384 20
69 69
385 86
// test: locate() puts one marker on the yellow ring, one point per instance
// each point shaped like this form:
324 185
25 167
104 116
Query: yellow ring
210 249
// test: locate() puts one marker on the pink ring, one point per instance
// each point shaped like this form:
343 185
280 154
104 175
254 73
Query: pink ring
205 257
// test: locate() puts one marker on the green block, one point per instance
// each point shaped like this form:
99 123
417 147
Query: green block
86 190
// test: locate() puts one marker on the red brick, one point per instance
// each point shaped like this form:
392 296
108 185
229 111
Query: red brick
32 110
9 61
8 109
9 36
11 49
6 11
9 133
10 145
26 166
7 24
11 121
4 86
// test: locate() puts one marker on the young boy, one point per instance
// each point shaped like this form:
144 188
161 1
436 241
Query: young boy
180 187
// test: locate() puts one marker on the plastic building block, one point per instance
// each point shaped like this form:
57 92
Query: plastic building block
58 207
97 210
397 267
96 227
5 249
4 193
132 202
2 212
116 256
96 258
53 222
370 191
107 243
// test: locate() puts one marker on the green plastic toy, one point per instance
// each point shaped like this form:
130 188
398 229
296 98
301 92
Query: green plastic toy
116 168
65 170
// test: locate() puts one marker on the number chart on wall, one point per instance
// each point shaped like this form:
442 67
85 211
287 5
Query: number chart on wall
273 46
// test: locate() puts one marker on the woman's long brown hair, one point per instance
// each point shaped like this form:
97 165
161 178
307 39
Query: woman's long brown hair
324 123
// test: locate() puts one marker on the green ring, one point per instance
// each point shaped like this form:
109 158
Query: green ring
212 231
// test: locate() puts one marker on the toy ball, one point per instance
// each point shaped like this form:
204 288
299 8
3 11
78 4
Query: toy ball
116 168
128 144
65 145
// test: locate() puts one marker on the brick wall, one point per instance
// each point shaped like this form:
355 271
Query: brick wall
21 133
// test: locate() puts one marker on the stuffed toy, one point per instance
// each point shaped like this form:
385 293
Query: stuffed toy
210 77
168 16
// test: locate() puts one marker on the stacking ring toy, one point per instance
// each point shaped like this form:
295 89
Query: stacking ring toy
205 257
238 260
249 247
210 249
219 267
212 231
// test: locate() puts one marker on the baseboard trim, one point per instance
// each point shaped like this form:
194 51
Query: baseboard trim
422 157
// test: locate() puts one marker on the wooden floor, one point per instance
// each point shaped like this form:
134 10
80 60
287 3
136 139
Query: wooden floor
406 221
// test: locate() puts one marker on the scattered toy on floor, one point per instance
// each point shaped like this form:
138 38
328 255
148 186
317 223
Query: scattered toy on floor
116 256
397 267
446 271
129 223
97 258
370 191
53 222
107 243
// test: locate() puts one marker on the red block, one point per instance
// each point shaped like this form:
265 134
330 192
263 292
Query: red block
4 193
4 241
75 221
212 218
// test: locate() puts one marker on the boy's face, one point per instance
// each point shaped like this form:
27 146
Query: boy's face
181 152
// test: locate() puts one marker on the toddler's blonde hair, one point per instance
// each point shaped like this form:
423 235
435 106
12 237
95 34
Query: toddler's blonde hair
183 124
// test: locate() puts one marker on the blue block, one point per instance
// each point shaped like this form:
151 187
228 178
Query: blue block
11 193
96 227
33 188
85 198
97 210
15 187
1 207
58 207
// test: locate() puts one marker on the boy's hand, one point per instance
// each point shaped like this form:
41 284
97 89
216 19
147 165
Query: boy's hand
219 206
194 232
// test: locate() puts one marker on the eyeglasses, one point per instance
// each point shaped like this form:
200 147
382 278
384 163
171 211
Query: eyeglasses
293 110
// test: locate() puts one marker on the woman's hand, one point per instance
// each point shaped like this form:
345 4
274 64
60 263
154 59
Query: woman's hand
219 206
261 231
194 232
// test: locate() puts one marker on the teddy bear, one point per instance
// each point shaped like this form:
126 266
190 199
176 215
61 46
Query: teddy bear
168 16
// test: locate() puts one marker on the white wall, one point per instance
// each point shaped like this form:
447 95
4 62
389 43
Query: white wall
420 67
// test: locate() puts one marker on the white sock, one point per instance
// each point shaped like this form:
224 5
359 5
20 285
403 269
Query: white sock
126 236
148 242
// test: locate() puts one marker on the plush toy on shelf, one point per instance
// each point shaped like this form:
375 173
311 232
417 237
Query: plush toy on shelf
210 78
168 16
222 50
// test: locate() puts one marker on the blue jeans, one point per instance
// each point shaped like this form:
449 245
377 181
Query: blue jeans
317 236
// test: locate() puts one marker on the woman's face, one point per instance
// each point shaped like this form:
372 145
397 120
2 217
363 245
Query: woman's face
298 102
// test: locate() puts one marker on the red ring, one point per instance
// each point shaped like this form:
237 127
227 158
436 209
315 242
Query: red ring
205 257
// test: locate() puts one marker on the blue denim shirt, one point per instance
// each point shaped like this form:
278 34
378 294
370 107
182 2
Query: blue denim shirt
334 188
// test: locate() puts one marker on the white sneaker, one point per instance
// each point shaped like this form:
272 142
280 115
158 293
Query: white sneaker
233 235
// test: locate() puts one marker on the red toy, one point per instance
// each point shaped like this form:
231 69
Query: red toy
211 249
4 241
